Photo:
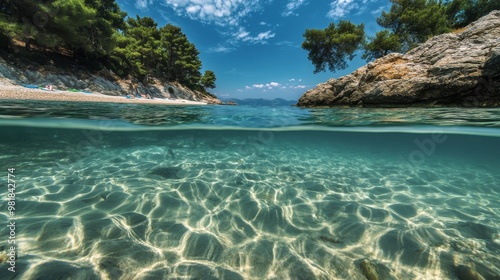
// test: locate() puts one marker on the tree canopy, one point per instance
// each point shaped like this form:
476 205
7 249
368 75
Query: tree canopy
137 46
407 24
382 44
180 57
331 46
415 21
208 79
462 12
97 31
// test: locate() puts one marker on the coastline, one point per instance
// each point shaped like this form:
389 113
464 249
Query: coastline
22 93
436 73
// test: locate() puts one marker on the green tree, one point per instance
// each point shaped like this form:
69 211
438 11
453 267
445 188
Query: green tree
96 30
464 12
102 29
189 65
331 46
70 25
170 38
415 21
382 44
180 61
144 50
208 79
137 48
21 19
8 24
84 26
9 28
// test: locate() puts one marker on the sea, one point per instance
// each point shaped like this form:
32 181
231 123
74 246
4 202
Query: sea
136 191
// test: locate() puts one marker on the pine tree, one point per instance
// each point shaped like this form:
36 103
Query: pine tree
208 79
463 12
180 61
331 46
70 25
415 21
138 46
102 29
382 44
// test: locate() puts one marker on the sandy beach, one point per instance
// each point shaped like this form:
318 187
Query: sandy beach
19 92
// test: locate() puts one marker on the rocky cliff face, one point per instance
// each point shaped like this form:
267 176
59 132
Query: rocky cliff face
456 69
104 82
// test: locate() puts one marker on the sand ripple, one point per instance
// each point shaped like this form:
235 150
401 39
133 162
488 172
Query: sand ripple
287 210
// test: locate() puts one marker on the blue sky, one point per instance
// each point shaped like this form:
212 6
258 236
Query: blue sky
253 46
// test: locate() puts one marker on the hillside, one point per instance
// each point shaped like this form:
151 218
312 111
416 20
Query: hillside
21 68
95 46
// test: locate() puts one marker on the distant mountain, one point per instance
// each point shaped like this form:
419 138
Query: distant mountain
262 102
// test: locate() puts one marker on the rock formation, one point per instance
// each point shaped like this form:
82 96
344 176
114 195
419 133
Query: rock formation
230 102
455 69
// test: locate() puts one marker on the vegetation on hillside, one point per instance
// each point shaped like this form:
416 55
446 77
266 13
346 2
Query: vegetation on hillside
98 32
407 24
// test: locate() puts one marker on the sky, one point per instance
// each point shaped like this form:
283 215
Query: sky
254 46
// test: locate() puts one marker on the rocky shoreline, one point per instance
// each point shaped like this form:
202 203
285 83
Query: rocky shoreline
103 83
12 92
454 69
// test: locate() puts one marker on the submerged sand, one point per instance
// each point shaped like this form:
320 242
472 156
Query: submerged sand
19 92
209 204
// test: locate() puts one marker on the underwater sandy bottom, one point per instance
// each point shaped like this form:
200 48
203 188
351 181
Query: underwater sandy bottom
222 205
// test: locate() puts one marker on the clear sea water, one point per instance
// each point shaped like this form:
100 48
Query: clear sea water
120 191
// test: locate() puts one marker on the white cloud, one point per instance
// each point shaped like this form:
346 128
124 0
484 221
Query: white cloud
193 9
220 12
220 49
378 11
229 15
273 84
265 35
243 35
293 84
340 8
287 43
264 87
143 4
292 6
